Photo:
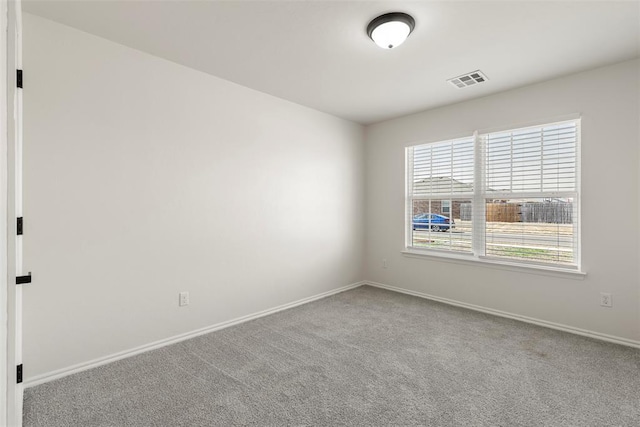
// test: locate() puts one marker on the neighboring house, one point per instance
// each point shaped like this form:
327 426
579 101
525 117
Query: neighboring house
446 186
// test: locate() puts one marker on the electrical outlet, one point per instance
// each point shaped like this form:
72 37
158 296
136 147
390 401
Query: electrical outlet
184 299
384 263
606 300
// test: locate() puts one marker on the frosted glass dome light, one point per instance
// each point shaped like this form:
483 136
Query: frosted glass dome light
391 29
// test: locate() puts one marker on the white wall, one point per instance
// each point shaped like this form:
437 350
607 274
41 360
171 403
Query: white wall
144 178
608 101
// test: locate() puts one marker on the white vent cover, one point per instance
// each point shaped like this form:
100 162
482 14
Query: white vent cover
469 79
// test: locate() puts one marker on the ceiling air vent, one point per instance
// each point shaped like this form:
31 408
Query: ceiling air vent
469 79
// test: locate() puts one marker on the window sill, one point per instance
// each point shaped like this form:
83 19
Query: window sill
497 264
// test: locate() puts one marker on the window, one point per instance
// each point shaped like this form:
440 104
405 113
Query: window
446 207
441 176
505 196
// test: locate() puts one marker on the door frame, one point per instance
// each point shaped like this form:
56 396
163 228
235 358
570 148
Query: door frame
11 392
3 213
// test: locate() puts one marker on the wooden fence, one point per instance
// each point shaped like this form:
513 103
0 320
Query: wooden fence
549 213
503 212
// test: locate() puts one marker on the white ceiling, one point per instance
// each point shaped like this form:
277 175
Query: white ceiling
317 53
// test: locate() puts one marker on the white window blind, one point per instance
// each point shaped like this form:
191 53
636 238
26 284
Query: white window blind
532 160
510 195
443 168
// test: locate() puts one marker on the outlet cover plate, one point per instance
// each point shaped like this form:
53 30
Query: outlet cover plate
183 299
606 299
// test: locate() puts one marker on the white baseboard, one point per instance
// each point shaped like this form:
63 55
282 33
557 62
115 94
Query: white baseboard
50 376
552 325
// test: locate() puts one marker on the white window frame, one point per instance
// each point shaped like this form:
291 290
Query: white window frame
480 196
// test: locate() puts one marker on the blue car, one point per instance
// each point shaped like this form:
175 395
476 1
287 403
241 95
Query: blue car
434 221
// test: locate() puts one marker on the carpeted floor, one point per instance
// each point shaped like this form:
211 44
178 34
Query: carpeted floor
363 357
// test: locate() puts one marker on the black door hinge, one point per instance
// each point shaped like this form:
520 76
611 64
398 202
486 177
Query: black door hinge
19 226
19 373
21 280
19 78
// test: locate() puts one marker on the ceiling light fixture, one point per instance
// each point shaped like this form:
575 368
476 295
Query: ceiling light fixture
391 29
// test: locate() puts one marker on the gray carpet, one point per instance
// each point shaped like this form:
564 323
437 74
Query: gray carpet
363 357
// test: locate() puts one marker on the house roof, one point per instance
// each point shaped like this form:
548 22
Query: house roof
444 185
